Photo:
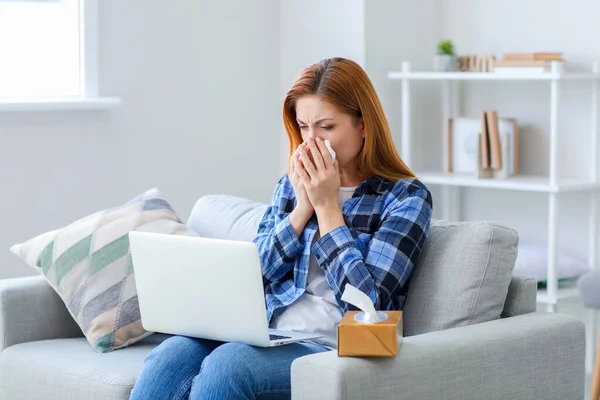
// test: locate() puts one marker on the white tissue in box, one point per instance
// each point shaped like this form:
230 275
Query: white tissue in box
360 300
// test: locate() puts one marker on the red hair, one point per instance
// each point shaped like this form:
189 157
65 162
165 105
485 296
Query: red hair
345 85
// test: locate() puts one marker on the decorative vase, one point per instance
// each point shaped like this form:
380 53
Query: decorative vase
445 63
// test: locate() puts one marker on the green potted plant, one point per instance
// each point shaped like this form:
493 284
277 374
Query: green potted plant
445 59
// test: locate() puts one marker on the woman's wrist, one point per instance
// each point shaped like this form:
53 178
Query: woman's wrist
298 219
304 212
329 217
328 208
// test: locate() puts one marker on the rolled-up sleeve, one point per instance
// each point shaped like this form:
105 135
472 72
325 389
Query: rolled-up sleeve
391 253
276 239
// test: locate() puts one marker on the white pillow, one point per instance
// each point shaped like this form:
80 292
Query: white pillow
532 262
88 263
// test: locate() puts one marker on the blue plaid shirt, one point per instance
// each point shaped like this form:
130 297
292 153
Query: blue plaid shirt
387 223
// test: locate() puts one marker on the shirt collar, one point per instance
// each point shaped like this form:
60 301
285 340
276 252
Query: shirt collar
377 184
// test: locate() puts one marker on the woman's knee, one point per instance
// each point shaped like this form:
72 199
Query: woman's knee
175 350
230 359
226 373
170 368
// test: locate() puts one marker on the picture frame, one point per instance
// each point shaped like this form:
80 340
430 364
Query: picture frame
462 139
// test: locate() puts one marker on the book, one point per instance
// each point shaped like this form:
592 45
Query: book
450 138
469 142
509 127
520 63
549 56
485 142
517 70
494 137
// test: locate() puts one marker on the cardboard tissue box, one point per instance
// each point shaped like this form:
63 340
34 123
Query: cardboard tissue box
368 332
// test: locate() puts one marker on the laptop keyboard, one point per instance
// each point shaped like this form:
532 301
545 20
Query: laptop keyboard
277 337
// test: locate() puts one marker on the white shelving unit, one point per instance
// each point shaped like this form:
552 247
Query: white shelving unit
553 185
526 183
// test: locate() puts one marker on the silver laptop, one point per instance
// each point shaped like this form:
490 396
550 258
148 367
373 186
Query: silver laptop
203 288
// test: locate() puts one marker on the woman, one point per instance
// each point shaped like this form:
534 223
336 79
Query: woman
362 219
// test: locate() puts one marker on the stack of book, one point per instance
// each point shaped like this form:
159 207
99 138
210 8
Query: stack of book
526 62
496 134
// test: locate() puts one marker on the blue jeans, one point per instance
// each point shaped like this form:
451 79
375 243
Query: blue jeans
188 368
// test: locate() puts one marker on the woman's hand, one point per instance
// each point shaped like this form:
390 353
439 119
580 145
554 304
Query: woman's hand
303 204
320 178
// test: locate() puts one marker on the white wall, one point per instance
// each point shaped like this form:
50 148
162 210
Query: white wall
199 79
311 30
398 31
201 109
533 25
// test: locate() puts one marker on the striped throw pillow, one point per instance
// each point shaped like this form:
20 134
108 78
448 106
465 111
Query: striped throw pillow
88 263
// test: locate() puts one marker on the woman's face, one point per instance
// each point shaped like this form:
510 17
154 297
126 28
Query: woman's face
317 118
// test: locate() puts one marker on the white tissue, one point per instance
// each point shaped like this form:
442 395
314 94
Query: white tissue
360 300
331 151
327 144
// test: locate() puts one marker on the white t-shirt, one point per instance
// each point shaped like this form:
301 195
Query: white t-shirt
316 311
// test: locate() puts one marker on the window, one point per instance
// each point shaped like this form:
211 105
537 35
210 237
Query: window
43 46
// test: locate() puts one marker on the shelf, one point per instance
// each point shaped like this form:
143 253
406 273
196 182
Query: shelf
452 104
561 294
491 76
519 183
60 104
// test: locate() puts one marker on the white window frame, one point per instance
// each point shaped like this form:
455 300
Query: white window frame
88 47
88 73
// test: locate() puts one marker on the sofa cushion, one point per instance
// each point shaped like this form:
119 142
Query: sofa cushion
462 276
71 369
521 297
226 217
88 263
588 286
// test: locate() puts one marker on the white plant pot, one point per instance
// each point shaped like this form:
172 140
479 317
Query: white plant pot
445 63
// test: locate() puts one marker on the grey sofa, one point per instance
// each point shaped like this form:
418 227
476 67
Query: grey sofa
471 330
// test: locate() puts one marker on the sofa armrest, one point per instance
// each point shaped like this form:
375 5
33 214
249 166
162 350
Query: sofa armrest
521 297
531 356
31 310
